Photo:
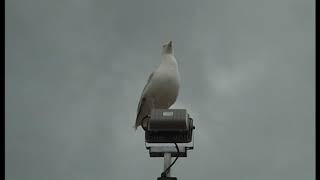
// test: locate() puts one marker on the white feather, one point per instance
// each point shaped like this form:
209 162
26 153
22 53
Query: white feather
162 88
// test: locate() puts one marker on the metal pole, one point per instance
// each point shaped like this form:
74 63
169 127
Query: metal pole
167 162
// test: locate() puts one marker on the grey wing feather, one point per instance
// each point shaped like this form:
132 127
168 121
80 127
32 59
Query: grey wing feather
142 94
141 102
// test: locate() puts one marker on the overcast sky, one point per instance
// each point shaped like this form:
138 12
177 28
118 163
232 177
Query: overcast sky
75 70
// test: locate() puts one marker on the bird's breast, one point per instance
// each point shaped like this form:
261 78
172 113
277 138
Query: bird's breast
165 88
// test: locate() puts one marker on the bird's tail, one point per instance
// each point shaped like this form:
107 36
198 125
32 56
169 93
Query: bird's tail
134 127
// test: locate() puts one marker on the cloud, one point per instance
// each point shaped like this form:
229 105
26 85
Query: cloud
75 71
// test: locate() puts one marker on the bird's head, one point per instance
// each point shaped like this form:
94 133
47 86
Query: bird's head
167 48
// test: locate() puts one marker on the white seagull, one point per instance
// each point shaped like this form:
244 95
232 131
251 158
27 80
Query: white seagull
162 88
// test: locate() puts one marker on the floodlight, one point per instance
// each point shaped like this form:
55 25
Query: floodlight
169 126
168 133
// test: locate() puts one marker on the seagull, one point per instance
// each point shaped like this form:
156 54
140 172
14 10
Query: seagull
162 88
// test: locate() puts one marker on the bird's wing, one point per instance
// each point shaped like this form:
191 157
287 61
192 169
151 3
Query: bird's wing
142 98
148 82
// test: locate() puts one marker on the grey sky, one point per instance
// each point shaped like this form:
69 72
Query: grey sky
75 70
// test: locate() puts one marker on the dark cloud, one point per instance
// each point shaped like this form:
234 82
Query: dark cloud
75 71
